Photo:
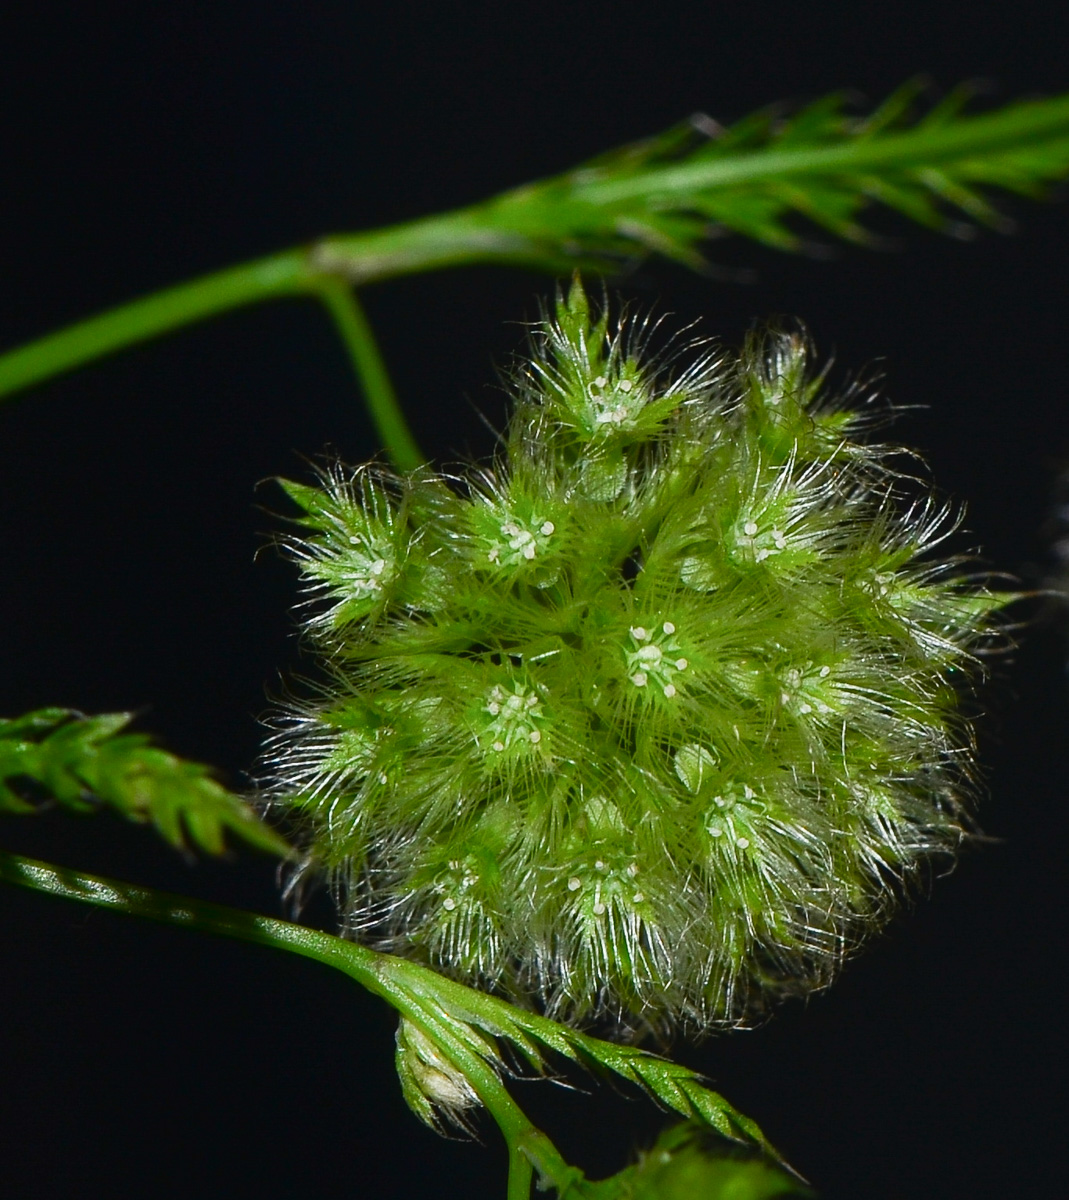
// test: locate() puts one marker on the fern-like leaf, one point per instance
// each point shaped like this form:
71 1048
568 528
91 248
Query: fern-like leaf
668 193
471 1016
83 763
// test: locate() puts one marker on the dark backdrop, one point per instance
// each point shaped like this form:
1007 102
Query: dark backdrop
144 144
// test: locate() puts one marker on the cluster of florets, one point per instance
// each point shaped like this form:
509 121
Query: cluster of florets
650 718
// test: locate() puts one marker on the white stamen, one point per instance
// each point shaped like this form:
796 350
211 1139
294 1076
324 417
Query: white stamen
750 528
637 898
536 736
742 843
574 884
626 385
449 904
548 527
638 633
681 664
668 627
669 690
599 909
639 679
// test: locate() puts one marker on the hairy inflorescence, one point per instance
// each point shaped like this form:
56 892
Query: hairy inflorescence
650 718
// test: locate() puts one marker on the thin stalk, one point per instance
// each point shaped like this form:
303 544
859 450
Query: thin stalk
363 965
379 394
521 1173
284 274
522 1136
444 240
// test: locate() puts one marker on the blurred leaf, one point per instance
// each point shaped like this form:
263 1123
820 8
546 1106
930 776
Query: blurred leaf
687 1164
84 762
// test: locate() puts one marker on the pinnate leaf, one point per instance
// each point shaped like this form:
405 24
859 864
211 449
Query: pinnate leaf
822 163
471 1015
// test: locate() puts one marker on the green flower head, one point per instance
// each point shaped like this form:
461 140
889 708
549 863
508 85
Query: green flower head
650 718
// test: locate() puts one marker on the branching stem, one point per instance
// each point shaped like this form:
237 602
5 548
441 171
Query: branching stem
290 273
529 1148
521 1173
279 275
551 224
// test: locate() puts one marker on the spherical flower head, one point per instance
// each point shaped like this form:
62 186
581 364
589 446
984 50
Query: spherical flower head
650 718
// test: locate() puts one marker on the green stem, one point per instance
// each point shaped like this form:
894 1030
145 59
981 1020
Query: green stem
285 274
521 1173
382 974
446 239
363 965
364 354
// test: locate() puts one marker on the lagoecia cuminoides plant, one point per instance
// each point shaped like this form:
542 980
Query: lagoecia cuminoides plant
648 721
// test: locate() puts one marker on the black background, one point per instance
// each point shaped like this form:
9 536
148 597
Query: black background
144 144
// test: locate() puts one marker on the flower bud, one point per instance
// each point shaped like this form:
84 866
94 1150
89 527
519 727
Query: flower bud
433 1088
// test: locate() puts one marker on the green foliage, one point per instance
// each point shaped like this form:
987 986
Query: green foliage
481 1022
84 762
687 1164
669 193
665 195
648 717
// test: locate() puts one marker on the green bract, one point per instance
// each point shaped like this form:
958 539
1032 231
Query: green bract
649 718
